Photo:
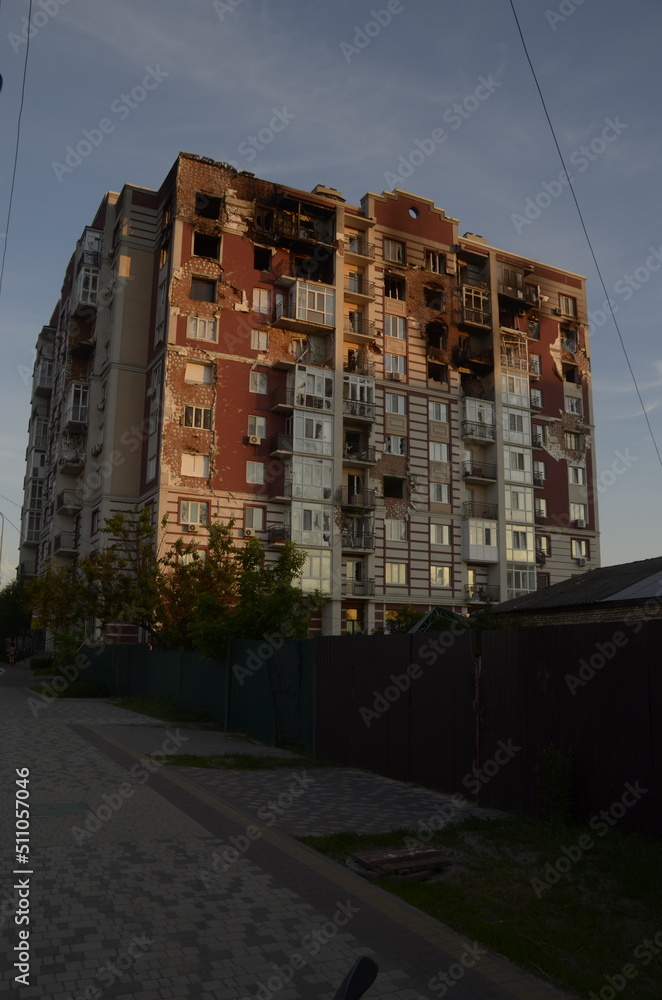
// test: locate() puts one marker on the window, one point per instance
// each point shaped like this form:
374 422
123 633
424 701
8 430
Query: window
482 533
542 580
568 305
579 548
395 326
197 416
262 258
262 301
438 411
440 493
440 576
393 486
539 473
515 389
313 433
435 262
395 402
316 573
516 460
539 435
395 444
254 518
440 534
534 364
316 304
259 340
201 329
515 422
258 426
257 382
541 507
193 512
476 306
203 289
578 512
511 280
206 246
576 475
395 363
396 530
519 504
311 525
519 539
95 522
536 397
195 465
544 545
573 441
196 372
569 339
520 582
394 250
395 573
77 410
434 299
207 206
438 451
573 404
255 472
394 287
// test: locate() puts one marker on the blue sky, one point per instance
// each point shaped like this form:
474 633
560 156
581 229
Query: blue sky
357 87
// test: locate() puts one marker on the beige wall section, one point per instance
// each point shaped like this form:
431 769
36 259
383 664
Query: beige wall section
137 271
125 412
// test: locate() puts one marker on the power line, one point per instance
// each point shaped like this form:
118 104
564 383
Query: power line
588 238
18 140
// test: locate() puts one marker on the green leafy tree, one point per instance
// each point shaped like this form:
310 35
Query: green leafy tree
15 616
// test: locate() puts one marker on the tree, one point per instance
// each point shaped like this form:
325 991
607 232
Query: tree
183 599
15 617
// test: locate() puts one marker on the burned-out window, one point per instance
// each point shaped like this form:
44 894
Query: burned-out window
394 287
207 206
262 258
394 487
206 246
434 298
203 289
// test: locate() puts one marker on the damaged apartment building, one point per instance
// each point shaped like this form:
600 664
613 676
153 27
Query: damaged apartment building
411 406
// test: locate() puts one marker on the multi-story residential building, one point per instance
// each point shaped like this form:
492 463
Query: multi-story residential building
409 405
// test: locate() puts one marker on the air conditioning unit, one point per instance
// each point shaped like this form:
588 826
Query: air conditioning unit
580 523
582 561
248 532
254 439
395 376
190 527
97 449
557 312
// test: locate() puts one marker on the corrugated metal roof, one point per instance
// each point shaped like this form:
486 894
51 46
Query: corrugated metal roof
629 581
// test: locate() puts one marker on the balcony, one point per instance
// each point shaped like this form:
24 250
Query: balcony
43 379
307 304
354 540
82 348
359 456
358 289
76 419
282 399
85 292
358 410
300 225
357 327
475 431
69 501
357 364
70 460
28 568
538 478
65 544
278 533
479 472
473 356
281 444
358 246
31 536
358 588
481 593
356 498
477 508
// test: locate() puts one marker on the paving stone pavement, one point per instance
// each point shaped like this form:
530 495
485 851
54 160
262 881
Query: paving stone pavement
174 882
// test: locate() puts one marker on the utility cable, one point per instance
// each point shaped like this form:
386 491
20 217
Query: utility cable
588 238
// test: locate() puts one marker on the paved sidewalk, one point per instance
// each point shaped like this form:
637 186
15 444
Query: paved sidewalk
178 882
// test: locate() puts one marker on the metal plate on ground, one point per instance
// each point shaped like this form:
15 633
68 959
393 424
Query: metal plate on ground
57 808
402 861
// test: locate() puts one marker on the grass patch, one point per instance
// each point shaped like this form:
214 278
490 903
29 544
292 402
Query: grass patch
238 761
575 932
165 709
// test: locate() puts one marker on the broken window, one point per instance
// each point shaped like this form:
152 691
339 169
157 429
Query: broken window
207 206
435 262
434 298
203 289
394 487
206 246
262 258
394 250
436 335
197 416
394 287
